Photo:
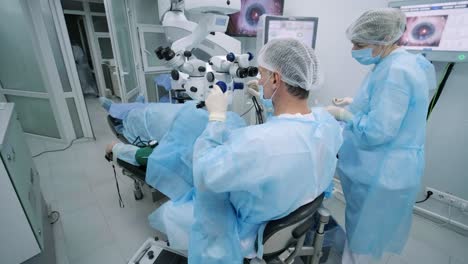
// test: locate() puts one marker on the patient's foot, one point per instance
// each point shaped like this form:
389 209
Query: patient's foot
105 103
140 99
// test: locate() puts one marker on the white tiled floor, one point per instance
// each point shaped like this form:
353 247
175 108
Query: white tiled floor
79 183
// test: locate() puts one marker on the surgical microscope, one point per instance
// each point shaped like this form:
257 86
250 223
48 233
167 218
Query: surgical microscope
226 67
235 71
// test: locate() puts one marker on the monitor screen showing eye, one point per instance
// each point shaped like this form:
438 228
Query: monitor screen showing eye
244 23
436 26
424 31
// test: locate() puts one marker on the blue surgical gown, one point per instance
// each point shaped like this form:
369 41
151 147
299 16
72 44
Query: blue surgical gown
246 177
381 161
170 170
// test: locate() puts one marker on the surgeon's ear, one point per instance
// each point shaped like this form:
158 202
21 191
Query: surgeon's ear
276 78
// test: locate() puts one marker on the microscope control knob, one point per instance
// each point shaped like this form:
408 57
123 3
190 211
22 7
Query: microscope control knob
201 69
210 77
187 54
251 56
231 57
222 85
175 75
193 89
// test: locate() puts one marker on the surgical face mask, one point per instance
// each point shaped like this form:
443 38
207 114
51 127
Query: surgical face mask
261 89
364 56
262 94
267 103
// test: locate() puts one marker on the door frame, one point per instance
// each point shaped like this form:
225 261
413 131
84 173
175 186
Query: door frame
92 40
132 11
67 52
117 56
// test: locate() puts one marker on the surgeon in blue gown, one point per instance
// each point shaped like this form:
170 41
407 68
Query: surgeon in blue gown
381 161
245 177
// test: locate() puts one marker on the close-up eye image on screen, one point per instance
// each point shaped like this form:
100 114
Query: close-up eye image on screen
436 27
424 31
244 23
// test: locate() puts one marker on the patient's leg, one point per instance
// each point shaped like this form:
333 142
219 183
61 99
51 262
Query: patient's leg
150 122
120 111
105 103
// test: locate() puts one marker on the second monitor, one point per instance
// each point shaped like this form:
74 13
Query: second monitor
302 28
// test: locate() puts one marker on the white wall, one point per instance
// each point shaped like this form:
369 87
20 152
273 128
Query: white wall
446 143
343 75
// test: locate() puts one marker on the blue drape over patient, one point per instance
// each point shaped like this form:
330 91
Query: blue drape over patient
146 121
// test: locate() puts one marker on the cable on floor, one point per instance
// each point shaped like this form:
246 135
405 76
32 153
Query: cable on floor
58 150
428 195
121 203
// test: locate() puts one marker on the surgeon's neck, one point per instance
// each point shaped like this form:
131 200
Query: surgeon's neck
387 51
291 105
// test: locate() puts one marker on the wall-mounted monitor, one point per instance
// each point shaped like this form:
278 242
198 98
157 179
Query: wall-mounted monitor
438 29
244 23
302 28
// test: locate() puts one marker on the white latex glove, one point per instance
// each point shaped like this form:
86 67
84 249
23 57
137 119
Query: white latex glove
253 88
339 113
253 84
342 101
216 104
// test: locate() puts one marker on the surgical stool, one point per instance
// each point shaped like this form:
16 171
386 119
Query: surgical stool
137 173
283 239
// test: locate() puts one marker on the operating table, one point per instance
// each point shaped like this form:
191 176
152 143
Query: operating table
137 173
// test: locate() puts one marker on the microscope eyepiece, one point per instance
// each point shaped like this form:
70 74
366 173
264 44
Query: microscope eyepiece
159 53
253 71
242 72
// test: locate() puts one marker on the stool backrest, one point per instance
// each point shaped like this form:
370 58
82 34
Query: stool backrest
284 233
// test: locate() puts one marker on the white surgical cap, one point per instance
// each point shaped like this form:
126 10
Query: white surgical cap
382 26
296 62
